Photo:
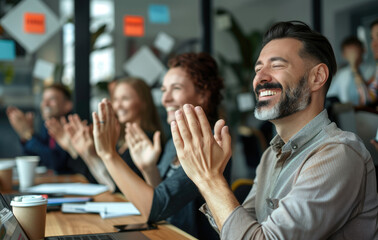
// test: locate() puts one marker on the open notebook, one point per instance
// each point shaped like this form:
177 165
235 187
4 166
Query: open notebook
11 229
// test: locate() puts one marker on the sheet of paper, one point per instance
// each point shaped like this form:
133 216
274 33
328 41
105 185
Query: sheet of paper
73 208
85 189
43 69
112 209
125 207
105 209
144 64
164 42
13 23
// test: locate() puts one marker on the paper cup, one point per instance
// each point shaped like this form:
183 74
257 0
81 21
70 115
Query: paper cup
6 172
30 211
26 170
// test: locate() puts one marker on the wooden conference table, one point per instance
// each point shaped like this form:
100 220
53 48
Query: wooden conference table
58 223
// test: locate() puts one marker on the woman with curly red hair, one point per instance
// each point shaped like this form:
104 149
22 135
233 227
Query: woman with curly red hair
167 194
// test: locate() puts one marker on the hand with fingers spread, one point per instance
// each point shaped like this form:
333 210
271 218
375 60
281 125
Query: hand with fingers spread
80 136
203 155
21 122
56 130
204 158
82 140
105 130
144 153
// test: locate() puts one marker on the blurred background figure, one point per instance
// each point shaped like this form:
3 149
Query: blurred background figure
133 104
374 46
56 103
351 83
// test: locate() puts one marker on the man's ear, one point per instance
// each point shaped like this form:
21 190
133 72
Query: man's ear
318 76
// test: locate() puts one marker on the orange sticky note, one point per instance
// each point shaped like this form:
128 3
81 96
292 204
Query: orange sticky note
34 23
133 26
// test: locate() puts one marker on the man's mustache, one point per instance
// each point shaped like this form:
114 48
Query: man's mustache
267 86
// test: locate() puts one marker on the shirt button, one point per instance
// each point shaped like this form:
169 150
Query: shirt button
270 203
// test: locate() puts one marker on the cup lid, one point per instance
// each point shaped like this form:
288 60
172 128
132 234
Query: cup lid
6 164
28 201
28 158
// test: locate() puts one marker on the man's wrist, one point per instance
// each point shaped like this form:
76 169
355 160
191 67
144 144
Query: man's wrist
206 185
148 168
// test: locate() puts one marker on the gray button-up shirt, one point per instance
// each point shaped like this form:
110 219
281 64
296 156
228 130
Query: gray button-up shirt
321 184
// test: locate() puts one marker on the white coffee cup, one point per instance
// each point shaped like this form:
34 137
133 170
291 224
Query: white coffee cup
26 166
30 211
6 172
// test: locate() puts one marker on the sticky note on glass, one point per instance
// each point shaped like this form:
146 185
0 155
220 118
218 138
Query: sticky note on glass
43 69
159 13
146 65
7 50
34 23
164 42
245 102
133 26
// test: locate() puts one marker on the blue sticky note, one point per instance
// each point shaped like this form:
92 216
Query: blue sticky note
159 13
7 50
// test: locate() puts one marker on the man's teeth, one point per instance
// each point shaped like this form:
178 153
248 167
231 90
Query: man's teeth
171 109
267 93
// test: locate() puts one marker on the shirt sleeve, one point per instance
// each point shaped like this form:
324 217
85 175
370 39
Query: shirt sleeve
323 197
55 159
171 195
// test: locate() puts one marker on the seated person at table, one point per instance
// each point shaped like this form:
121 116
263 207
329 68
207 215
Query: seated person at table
56 104
167 193
315 181
133 103
350 84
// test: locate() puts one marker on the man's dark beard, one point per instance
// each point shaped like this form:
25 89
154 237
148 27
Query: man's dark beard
289 105
289 100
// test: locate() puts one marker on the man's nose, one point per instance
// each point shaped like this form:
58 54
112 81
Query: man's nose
262 76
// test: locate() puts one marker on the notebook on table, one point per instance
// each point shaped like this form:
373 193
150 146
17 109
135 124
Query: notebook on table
11 229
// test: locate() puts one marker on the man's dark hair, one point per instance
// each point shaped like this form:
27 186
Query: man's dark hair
351 40
61 88
372 24
315 45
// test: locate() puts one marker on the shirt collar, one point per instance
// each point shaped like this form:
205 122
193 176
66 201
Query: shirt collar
309 131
